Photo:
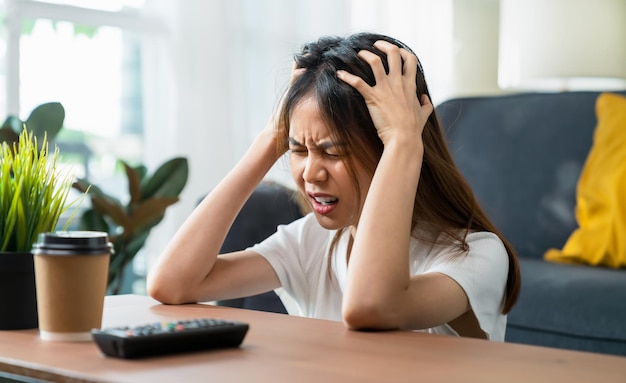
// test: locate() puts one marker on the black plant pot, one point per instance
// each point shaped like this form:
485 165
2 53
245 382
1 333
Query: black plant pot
18 296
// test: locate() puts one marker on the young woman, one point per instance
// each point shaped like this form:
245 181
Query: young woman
395 240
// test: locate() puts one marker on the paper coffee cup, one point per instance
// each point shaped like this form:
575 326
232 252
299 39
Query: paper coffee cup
71 270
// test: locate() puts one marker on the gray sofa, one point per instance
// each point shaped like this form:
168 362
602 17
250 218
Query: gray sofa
522 154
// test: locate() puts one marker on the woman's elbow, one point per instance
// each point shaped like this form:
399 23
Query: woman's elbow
163 292
364 316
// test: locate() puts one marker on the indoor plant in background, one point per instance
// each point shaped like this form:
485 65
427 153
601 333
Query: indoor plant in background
130 224
34 193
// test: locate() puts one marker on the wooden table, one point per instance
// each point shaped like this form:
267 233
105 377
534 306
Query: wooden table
280 348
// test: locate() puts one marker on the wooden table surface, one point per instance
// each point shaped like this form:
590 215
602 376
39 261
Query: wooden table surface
281 348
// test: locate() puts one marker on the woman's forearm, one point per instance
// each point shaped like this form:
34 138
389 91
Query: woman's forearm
378 272
190 255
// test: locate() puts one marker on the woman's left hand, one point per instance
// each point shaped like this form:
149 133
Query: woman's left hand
392 101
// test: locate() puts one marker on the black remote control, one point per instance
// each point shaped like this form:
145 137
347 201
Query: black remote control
169 337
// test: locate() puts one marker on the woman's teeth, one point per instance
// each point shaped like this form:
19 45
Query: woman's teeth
325 200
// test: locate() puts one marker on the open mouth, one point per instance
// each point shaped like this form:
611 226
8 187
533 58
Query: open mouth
323 204
325 201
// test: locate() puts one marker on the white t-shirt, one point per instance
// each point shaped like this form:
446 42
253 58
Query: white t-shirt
298 252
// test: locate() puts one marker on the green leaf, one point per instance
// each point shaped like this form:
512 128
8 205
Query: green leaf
34 191
14 124
12 217
168 180
83 185
7 136
124 253
135 244
86 30
129 250
28 25
46 118
134 183
93 221
129 225
111 207
148 211
142 170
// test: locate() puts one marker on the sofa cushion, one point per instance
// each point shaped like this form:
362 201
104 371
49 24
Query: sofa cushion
600 238
570 306
522 155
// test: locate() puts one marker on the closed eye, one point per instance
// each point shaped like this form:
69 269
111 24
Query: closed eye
298 150
331 155
327 150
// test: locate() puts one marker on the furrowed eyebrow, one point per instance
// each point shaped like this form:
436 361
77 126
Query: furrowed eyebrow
322 146
293 141
327 145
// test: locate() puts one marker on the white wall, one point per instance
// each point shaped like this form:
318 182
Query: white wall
475 48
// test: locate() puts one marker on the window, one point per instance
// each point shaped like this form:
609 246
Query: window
84 54
91 66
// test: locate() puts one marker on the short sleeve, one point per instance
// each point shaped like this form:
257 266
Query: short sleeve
482 273
295 254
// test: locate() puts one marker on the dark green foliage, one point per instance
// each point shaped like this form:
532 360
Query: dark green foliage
45 119
33 189
129 225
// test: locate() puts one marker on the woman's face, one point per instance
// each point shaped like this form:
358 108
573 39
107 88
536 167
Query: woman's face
320 172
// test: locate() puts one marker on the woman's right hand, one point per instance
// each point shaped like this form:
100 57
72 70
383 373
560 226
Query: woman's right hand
396 111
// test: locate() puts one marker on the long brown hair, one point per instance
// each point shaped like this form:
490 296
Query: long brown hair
444 199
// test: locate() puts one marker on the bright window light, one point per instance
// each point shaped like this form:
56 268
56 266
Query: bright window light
59 63
102 5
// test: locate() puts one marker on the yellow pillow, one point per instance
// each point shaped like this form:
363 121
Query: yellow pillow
600 239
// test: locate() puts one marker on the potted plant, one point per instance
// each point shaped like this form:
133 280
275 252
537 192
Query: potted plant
129 224
33 194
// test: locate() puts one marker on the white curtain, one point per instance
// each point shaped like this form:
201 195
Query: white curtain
213 74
